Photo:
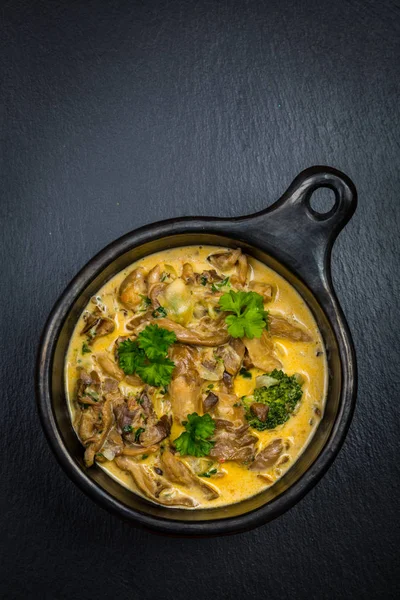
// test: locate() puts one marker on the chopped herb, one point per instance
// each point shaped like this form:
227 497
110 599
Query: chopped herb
244 373
155 341
210 386
144 456
147 357
127 429
217 286
146 302
138 432
249 318
208 473
164 276
237 404
159 312
203 280
85 349
195 440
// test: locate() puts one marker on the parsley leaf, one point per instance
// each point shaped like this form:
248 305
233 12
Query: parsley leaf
159 312
245 373
148 356
157 373
155 341
85 348
217 286
249 318
130 356
137 434
194 440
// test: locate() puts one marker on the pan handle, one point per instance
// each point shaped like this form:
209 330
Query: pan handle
301 236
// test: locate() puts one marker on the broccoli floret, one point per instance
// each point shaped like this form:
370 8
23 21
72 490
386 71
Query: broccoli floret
281 399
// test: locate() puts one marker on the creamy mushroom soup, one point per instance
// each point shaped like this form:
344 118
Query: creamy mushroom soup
196 377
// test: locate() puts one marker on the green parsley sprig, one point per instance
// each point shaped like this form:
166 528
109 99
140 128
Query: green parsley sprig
249 318
195 440
147 356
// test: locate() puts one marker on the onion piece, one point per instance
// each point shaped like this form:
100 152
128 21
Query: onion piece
265 381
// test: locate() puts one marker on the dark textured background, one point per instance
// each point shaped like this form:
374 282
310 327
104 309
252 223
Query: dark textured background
115 114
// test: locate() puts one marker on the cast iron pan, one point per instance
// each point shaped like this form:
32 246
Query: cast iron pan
295 241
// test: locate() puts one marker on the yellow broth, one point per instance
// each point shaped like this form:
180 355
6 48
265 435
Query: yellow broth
306 358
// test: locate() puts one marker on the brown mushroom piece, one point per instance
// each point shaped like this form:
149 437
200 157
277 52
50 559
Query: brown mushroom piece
185 387
88 389
178 472
187 273
154 292
154 486
106 423
262 352
281 327
210 366
242 269
133 288
267 457
225 260
232 443
232 355
229 408
264 289
109 367
210 401
136 450
259 410
209 276
97 325
139 320
227 383
154 275
188 336
155 433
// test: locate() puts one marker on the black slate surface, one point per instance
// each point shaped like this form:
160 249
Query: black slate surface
116 114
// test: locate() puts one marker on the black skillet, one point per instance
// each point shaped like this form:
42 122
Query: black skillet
295 241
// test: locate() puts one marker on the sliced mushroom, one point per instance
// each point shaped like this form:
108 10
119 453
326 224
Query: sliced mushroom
154 486
187 336
154 434
281 327
136 450
178 472
232 443
97 326
89 389
267 457
154 275
109 367
242 269
106 423
154 292
210 401
139 320
262 352
225 260
185 387
232 354
133 288
207 277
264 289
187 273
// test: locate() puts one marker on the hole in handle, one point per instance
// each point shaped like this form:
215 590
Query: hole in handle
322 201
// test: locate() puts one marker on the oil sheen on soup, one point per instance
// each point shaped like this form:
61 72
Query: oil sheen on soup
196 377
